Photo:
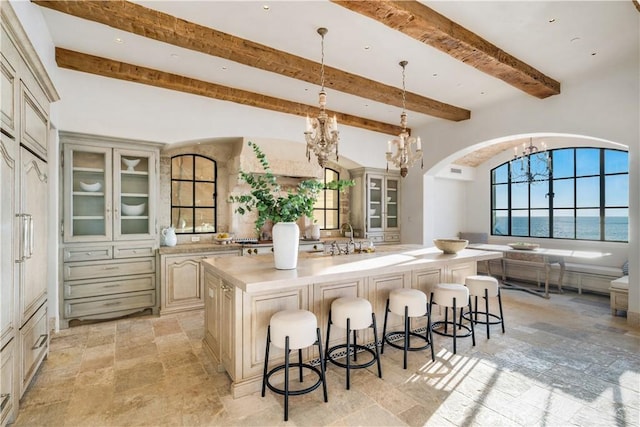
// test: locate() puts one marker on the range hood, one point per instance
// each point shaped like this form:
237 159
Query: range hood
286 158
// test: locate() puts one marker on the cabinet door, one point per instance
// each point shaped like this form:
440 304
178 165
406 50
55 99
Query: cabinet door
182 285
8 395
391 203
87 194
375 207
9 249
9 85
34 123
134 204
211 314
227 329
34 213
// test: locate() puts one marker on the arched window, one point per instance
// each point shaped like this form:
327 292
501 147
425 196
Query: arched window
587 198
193 194
326 211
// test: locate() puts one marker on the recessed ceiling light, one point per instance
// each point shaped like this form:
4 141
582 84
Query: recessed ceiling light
224 68
552 20
266 7
367 47
118 40
175 55
434 75
575 39
594 53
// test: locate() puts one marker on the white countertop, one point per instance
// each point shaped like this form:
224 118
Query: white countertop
257 273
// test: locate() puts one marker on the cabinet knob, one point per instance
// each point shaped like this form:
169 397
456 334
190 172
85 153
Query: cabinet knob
88 253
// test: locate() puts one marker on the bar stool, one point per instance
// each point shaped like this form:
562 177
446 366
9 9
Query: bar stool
293 330
352 314
485 287
454 296
408 303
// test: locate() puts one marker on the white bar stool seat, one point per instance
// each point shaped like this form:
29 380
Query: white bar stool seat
454 296
293 330
408 303
484 287
352 314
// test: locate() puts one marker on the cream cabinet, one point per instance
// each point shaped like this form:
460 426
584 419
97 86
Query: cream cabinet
25 96
109 195
221 322
181 282
375 205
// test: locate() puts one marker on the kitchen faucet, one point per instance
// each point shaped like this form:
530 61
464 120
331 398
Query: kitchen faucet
351 241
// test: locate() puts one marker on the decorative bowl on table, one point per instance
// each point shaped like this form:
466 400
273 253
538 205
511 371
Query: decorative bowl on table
96 186
523 246
133 210
223 238
450 246
130 163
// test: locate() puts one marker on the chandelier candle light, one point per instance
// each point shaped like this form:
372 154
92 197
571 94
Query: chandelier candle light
321 133
404 156
534 163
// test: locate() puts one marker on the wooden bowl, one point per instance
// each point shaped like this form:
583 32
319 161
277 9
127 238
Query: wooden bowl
450 246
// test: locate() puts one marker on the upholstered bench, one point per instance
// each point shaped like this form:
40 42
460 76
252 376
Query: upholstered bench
619 295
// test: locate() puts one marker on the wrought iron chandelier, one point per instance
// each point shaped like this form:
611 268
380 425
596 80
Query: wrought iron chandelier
532 165
404 156
321 133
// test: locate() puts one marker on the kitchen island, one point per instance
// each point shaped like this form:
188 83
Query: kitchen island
242 293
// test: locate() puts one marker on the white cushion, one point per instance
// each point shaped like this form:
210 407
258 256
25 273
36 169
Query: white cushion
299 325
357 309
444 293
477 285
413 299
621 283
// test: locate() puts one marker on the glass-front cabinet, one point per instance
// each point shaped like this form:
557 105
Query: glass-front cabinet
375 204
107 194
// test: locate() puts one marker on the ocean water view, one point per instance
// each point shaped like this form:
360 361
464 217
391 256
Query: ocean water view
585 228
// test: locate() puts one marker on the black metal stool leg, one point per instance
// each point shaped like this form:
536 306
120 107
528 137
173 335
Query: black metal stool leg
322 366
286 378
384 327
486 308
430 332
500 305
347 356
473 333
300 360
454 325
446 318
406 335
355 347
266 361
375 342
326 347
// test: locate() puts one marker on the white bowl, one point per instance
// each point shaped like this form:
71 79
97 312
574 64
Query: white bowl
96 186
130 163
133 210
450 246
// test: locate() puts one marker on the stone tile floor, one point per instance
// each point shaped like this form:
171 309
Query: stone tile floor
563 361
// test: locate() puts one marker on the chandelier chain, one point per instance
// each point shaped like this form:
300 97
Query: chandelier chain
404 90
322 63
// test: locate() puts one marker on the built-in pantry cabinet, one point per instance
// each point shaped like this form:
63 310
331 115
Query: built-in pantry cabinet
109 228
26 95
375 205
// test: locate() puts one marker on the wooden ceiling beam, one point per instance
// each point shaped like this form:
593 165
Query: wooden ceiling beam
159 26
120 70
428 26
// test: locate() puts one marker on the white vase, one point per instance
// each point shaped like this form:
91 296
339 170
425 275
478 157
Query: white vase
286 238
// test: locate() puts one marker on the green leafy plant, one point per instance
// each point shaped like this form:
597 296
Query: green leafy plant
268 199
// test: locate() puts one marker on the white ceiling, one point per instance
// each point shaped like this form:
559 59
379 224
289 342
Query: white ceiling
562 39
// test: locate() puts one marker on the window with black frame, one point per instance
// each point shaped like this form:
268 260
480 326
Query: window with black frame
193 194
585 198
326 211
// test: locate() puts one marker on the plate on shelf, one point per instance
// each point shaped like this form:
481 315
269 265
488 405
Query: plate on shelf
522 246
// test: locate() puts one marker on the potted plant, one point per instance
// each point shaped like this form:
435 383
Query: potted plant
283 208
